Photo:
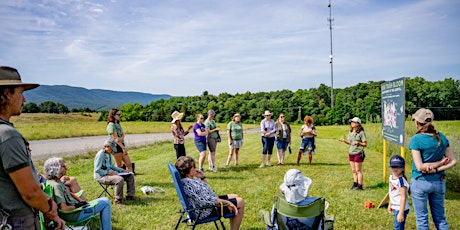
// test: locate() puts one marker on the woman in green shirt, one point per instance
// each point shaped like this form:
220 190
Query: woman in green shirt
116 133
235 138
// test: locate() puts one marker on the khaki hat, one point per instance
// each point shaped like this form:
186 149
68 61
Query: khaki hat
176 116
10 77
236 115
355 119
423 116
267 112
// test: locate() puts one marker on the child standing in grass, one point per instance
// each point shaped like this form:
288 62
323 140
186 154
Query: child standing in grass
308 134
398 190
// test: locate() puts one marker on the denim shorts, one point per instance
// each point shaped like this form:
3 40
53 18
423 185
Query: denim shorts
282 145
200 145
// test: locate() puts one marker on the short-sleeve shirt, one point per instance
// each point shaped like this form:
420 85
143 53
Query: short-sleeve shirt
395 196
62 195
360 137
430 152
236 130
201 127
211 124
267 126
114 127
13 156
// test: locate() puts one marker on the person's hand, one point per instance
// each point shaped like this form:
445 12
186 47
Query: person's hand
400 217
217 129
190 127
65 178
389 209
342 140
355 142
232 207
52 215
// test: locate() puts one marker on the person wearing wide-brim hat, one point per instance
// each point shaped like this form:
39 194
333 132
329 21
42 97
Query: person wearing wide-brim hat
356 141
22 195
179 133
267 129
431 156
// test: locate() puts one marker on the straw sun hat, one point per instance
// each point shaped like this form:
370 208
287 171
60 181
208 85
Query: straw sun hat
176 116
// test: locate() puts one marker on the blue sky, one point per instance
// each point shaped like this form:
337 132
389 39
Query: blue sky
186 47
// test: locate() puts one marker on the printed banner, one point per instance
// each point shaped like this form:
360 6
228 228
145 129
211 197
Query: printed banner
393 111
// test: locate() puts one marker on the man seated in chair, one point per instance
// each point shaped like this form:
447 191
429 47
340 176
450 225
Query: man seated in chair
295 189
105 172
54 169
200 194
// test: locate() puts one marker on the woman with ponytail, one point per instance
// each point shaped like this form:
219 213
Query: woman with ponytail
431 156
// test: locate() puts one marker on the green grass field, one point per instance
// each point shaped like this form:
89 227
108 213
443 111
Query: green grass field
330 173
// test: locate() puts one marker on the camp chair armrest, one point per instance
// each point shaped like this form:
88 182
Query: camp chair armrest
266 217
91 204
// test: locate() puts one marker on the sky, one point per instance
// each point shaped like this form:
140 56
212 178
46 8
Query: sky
186 47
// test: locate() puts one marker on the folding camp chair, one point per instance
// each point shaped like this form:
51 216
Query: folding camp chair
187 214
314 210
105 191
86 223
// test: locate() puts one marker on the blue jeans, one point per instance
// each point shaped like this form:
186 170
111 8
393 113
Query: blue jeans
102 207
268 143
399 225
282 145
433 192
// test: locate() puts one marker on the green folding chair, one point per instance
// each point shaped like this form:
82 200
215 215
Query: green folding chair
86 223
314 210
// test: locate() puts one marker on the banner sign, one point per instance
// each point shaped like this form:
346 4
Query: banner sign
393 110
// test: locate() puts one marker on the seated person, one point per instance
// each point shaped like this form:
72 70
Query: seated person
295 189
199 194
72 184
54 169
105 172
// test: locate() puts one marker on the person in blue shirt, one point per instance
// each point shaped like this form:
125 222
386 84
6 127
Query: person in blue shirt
105 172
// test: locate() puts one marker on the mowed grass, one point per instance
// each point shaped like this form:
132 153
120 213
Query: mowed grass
330 173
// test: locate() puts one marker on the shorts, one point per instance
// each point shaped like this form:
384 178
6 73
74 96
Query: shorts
282 145
119 149
308 142
212 143
200 145
356 157
236 144
217 212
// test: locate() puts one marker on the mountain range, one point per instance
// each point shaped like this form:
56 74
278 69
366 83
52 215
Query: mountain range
95 99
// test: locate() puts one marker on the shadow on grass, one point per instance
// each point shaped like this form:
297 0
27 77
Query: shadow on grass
379 185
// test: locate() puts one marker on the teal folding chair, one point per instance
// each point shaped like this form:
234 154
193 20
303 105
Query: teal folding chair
187 214
86 223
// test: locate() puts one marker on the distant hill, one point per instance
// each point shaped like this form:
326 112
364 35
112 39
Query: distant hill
96 99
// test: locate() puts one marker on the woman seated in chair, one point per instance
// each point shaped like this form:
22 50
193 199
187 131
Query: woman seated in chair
200 194
54 169
295 189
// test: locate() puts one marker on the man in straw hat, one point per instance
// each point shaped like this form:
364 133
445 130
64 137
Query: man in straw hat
22 196
267 129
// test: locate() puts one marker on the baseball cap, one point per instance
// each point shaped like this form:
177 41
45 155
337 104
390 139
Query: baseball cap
423 115
397 161
355 119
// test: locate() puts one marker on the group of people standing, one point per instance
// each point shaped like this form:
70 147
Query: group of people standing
279 132
206 136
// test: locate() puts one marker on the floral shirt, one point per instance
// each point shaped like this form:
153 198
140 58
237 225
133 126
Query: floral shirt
178 133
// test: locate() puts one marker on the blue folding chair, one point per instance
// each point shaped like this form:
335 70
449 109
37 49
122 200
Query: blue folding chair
187 214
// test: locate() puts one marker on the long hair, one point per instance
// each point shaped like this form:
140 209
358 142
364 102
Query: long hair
52 168
184 164
111 116
429 128
358 129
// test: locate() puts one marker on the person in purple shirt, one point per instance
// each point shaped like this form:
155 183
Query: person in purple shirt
199 129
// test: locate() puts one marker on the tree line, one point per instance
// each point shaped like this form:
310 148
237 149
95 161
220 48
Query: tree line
362 100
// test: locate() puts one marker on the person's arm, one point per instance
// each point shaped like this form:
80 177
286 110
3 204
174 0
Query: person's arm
34 196
188 130
402 204
201 133
229 135
98 164
227 203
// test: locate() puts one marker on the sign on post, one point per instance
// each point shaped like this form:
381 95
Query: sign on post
393 111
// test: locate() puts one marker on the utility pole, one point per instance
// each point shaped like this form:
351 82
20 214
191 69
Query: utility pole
330 19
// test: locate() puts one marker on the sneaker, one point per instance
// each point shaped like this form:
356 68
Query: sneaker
268 164
202 170
214 169
354 186
117 202
261 165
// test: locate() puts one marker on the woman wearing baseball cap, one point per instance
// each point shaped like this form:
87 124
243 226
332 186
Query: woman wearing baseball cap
431 156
